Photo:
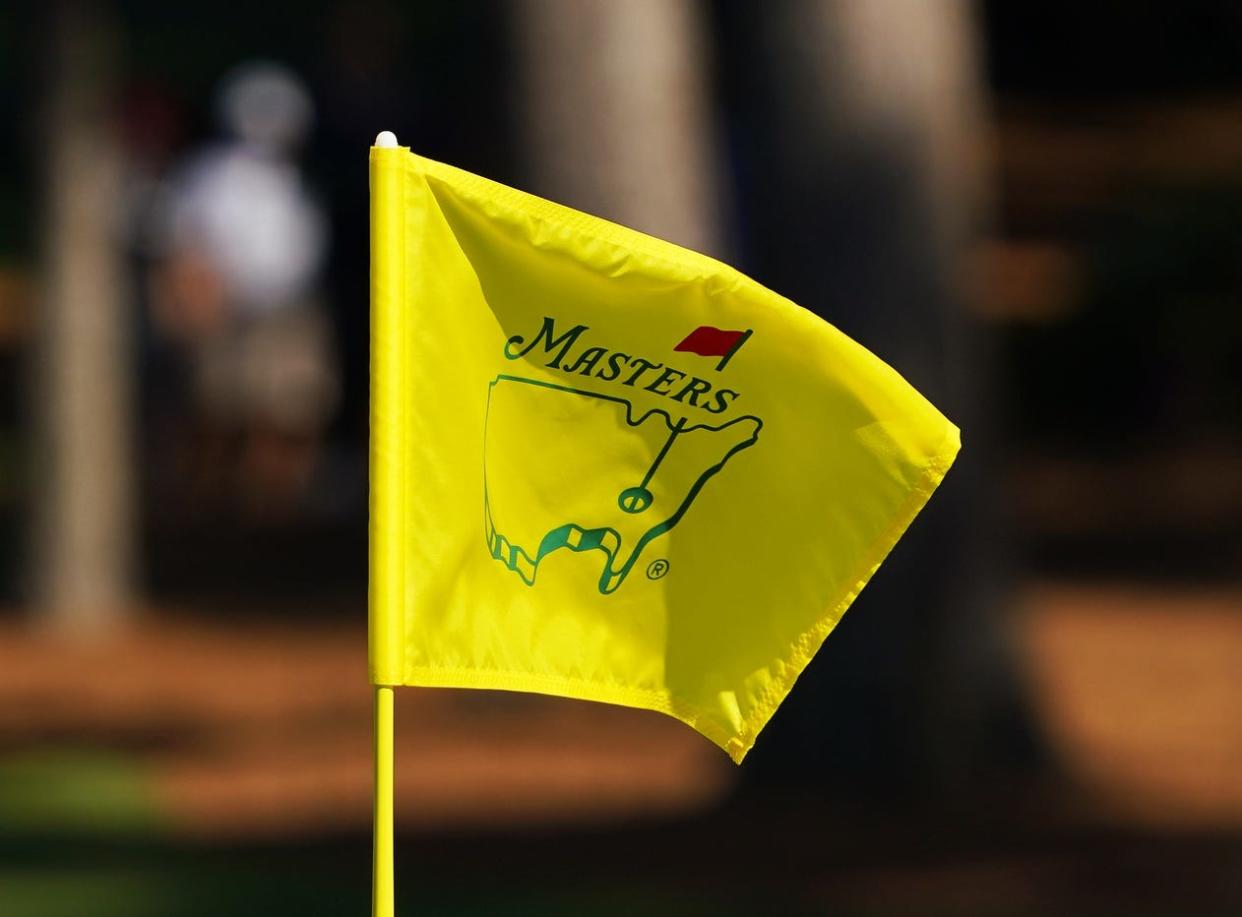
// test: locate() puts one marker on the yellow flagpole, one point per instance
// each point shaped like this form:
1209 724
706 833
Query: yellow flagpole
382 896
386 570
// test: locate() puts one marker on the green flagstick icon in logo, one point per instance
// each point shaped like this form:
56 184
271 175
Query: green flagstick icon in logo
704 341
637 499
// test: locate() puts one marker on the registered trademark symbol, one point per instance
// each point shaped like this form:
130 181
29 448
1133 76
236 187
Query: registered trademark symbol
657 569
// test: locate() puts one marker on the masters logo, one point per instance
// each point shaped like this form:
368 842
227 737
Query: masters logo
610 471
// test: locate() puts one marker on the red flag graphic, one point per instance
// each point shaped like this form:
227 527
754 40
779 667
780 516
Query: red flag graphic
707 341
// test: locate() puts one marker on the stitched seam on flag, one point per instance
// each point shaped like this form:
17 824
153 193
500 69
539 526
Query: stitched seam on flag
388 424
805 647
404 352
595 227
575 688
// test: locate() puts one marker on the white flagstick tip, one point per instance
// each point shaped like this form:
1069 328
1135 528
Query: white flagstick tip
386 139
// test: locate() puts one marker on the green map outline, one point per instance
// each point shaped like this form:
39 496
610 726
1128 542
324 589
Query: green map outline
605 539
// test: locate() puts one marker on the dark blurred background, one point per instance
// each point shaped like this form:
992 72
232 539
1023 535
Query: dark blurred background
1033 210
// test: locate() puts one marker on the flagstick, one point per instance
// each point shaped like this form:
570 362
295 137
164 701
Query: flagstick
386 589
382 896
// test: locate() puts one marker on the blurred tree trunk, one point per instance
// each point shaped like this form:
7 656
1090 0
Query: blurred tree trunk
874 195
864 194
615 112
83 540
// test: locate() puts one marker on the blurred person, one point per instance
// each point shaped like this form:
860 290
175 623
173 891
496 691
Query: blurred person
235 296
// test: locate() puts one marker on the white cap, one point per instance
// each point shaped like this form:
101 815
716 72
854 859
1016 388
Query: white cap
386 139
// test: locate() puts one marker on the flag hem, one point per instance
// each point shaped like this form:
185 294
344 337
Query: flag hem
579 221
389 337
573 688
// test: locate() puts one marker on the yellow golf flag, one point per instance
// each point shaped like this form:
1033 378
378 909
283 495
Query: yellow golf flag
609 468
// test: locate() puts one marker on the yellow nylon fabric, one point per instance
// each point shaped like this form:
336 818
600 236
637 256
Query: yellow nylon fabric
563 503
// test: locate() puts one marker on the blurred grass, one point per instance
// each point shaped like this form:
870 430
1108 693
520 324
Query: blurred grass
75 893
176 881
650 873
82 835
325 881
75 793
